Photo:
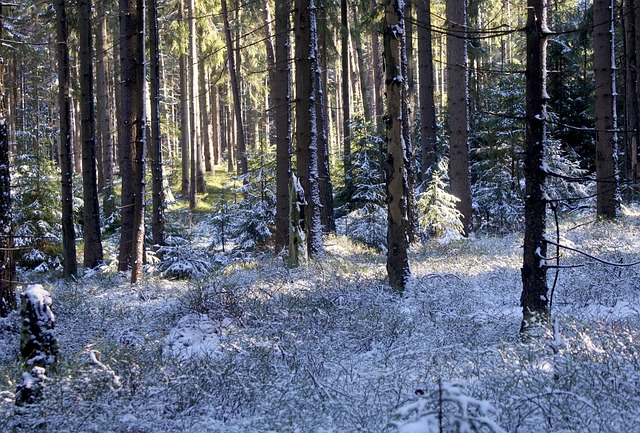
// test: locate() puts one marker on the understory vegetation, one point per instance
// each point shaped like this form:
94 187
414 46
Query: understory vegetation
246 344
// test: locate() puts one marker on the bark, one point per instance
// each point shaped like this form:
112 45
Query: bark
215 124
194 126
427 100
243 167
7 262
365 86
534 301
185 110
69 260
632 116
607 202
132 136
458 104
306 62
155 139
282 118
397 183
205 118
346 99
103 110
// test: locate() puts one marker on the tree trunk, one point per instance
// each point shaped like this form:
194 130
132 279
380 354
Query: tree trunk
7 263
632 109
215 123
103 109
607 202
132 124
306 61
427 100
397 183
458 98
235 88
194 124
69 260
185 110
346 99
205 118
282 118
534 299
155 140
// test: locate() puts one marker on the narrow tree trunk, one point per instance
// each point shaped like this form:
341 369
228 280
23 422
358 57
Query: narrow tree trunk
69 260
91 216
155 140
397 183
632 109
365 86
7 263
185 110
235 88
194 121
205 118
306 58
346 99
103 109
458 98
607 200
282 117
534 301
215 124
132 125
427 100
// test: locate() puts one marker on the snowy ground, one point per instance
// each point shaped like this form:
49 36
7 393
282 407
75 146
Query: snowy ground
256 347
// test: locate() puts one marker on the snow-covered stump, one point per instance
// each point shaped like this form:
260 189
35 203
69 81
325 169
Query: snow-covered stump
38 344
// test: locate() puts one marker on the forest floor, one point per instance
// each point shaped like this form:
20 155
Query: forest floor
254 346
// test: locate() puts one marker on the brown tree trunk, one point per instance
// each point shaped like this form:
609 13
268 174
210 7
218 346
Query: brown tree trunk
427 100
91 216
397 183
632 108
205 118
306 61
69 260
282 118
185 110
346 98
607 202
534 301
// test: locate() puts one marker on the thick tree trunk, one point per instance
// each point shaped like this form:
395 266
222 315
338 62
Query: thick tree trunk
132 125
69 260
534 301
427 100
282 117
243 167
396 171
103 109
155 140
91 216
458 97
607 200
7 263
306 58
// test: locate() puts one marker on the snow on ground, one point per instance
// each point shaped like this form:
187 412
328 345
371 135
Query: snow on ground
257 347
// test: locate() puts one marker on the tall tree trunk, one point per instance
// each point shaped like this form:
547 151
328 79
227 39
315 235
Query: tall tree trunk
91 216
7 263
155 140
306 58
282 118
427 100
103 109
132 134
397 183
235 88
194 124
205 117
346 99
607 201
69 260
185 110
365 86
534 301
215 123
458 104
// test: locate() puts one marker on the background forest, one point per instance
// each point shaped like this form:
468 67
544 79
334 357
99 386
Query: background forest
208 193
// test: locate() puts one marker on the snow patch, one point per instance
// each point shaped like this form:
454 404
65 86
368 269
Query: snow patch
195 335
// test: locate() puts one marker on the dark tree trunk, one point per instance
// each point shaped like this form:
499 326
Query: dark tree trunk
306 58
194 124
427 100
607 200
91 216
69 260
185 109
155 140
7 263
397 183
534 301
235 88
206 114
346 98
632 109
458 102
282 117
103 109
132 125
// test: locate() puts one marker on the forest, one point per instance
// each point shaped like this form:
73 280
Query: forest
402 216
